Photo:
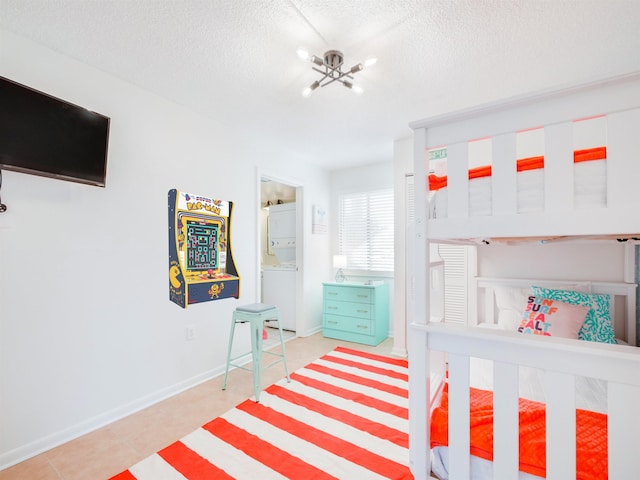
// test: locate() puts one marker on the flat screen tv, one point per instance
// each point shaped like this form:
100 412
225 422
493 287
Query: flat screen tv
43 135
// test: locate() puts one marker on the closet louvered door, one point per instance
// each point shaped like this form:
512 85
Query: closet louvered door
456 270
457 260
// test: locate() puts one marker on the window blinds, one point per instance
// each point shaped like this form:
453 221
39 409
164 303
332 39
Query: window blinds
365 233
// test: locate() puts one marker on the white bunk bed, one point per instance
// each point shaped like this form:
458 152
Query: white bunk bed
444 355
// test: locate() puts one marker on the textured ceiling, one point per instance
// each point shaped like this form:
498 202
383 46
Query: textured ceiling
236 59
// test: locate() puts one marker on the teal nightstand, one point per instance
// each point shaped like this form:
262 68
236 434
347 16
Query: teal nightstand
355 312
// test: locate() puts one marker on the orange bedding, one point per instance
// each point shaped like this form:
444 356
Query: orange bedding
591 435
523 164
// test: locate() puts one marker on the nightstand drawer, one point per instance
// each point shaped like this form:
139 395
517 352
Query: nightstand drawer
346 324
359 310
350 294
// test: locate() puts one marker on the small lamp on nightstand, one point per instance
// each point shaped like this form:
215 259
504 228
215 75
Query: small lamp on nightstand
339 262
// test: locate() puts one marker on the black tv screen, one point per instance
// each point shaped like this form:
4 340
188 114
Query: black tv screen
43 135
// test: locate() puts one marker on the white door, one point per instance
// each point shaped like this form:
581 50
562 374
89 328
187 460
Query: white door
279 289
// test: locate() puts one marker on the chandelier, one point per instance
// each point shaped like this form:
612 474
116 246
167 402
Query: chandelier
330 67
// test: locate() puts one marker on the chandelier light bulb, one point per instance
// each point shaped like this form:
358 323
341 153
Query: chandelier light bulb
370 62
307 91
357 89
303 54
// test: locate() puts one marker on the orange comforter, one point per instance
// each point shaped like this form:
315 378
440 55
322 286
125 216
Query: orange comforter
591 435
523 164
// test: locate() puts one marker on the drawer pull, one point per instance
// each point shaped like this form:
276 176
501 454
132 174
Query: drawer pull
333 322
332 293
363 311
332 308
363 326
360 295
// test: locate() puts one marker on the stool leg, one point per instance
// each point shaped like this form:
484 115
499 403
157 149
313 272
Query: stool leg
226 371
284 353
256 355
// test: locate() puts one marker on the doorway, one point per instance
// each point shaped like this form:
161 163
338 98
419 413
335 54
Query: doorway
280 240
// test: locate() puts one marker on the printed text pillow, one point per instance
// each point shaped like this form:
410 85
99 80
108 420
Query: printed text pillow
552 318
597 325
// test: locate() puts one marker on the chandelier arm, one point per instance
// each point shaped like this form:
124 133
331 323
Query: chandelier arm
331 81
324 76
337 79
323 72
329 70
340 77
343 75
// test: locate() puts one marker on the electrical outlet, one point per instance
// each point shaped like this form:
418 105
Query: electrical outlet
190 332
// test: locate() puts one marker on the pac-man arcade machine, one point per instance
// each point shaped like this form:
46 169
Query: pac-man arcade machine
201 265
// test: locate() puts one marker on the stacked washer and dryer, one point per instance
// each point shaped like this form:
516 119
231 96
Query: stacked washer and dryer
279 282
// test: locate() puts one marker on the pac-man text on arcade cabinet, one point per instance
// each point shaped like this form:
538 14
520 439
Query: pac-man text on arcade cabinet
201 265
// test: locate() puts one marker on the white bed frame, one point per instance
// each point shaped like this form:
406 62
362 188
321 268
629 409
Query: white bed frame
561 359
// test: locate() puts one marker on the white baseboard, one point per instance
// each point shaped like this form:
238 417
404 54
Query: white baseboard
20 454
399 352
313 331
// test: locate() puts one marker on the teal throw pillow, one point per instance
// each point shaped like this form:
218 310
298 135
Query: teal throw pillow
597 325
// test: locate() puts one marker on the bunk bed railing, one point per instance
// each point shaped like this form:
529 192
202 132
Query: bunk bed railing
622 168
562 360
616 101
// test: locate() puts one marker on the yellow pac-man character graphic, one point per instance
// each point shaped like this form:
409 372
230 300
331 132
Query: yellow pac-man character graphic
174 271
216 289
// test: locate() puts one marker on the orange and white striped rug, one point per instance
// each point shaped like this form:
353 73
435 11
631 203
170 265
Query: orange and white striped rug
343 416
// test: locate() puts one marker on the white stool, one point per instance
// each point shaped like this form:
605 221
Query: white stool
257 314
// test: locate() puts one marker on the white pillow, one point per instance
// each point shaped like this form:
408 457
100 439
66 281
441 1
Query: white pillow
509 319
510 301
491 326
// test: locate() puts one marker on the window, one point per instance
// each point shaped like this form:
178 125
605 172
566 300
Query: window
365 230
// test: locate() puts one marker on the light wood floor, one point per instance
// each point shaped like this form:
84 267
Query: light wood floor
114 448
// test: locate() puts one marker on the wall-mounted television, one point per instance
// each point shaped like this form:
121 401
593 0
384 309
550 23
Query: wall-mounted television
43 135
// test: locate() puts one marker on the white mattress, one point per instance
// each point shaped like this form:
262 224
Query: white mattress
531 191
591 394
481 469
590 191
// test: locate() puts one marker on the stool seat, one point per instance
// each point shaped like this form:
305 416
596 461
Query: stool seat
256 308
256 314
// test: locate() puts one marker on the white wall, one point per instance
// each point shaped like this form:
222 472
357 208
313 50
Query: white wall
359 179
403 166
87 332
